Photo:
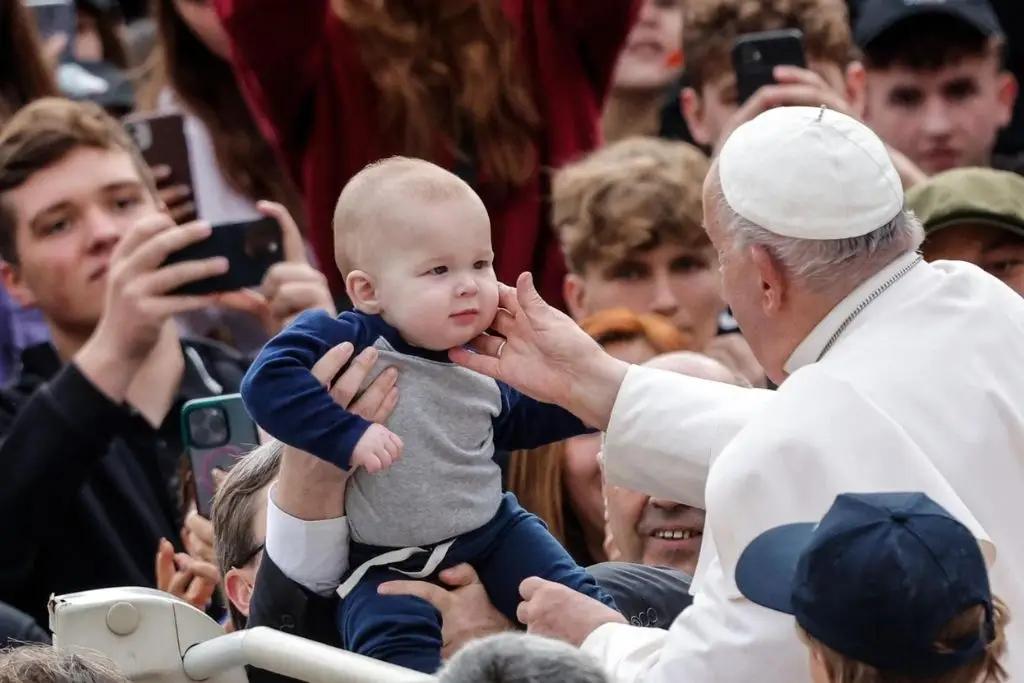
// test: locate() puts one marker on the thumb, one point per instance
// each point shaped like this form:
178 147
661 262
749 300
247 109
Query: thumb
164 564
530 300
460 576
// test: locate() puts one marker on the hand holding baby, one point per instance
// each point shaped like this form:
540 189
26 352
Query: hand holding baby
377 449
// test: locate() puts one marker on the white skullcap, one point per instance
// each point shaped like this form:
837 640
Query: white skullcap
810 173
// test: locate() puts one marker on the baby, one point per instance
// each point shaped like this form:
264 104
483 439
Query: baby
414 244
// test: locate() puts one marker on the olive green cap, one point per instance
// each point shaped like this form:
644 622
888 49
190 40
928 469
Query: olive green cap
970 195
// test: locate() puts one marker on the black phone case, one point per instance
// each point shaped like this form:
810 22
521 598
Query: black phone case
250 247
755 56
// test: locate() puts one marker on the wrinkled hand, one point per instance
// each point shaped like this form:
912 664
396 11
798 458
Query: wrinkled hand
377 449
466 610
197 536
289 287
793 87
556 611
544 353
184 577
175 198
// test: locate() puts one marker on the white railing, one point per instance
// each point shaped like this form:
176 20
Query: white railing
156 638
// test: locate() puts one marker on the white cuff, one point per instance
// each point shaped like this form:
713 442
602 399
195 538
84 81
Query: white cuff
312 554
626 652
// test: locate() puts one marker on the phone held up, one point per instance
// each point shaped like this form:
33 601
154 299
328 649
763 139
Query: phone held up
217 433
55 18
755 56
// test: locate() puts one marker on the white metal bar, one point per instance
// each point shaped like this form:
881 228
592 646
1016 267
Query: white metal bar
291 656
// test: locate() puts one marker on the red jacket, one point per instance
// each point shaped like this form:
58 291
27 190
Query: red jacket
304 80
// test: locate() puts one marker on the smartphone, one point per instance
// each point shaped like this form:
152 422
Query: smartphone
755 56
217 432
56 17
251 248
162 141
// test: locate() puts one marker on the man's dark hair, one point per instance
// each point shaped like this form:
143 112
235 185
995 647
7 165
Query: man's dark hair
40 135
929 43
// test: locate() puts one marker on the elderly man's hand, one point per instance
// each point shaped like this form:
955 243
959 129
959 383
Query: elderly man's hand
545 355
466 610
557 611
289 287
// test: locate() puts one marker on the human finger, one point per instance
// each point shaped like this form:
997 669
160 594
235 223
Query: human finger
529 587
245 301
438 597
157 247
460 575
175 194
531 303
386 407
371 401
200 526
348 384
169 278
199 592
331 362
484 363
524 612
507 298
179 583
291 237
164 564
283 273
53 47
140 233
393 445
160 173
204 570
167 306
504 323
294 297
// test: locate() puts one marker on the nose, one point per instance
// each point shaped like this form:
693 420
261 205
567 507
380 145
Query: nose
103 230
663 301
467 286
937 122
648 12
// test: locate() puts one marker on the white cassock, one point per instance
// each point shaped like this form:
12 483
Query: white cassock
922 391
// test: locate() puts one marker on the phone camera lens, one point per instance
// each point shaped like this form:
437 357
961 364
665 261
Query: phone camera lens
208 427
262 242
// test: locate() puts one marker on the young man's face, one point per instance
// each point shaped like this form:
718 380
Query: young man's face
709 110
69 217
998 251
945 118
680 283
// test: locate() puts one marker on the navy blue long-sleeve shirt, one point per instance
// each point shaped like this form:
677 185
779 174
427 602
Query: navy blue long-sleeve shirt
450 420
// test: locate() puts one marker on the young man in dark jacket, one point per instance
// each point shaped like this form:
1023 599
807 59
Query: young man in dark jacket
89 425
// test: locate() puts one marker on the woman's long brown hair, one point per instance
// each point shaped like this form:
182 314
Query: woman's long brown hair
206 86
24 74
454 67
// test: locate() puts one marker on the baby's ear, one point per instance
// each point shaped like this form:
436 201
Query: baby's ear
362 292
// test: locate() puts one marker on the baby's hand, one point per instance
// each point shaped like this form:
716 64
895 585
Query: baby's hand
376 449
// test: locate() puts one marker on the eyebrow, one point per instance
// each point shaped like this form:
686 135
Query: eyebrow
110 188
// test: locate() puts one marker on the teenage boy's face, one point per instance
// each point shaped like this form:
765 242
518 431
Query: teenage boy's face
709 112
69 218
945 118
677 282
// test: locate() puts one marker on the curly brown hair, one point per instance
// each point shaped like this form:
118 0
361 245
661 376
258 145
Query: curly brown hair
452 67
711 26
633 195
206 86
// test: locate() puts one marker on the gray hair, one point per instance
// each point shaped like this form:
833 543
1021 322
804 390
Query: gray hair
521 658
821 264
234 510
46 664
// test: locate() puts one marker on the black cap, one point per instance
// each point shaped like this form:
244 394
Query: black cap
877 580
875 17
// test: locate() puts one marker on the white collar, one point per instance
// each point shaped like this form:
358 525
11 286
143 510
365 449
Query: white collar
814 344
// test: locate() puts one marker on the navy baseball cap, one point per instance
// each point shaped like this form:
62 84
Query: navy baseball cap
875 17
877 580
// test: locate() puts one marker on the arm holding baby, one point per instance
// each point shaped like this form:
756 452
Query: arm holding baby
290 404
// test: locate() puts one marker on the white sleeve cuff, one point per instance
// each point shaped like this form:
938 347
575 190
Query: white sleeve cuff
312 554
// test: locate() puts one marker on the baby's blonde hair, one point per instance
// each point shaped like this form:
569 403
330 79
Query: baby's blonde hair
360 216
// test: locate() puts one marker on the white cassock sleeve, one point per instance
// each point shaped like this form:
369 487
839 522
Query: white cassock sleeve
313 554
666 428
815 439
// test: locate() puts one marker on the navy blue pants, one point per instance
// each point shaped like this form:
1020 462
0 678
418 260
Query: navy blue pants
406 631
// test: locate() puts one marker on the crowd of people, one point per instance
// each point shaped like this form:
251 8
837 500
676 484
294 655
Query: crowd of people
573 365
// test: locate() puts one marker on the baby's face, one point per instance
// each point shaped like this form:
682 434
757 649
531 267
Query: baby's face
437 284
